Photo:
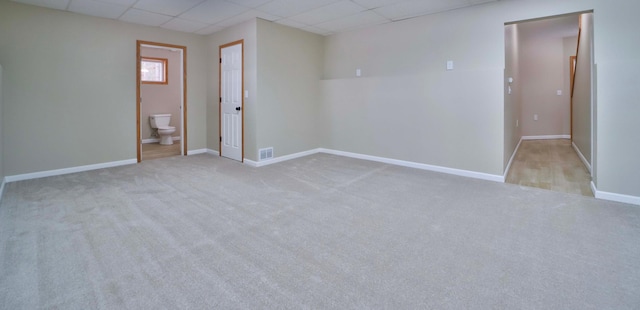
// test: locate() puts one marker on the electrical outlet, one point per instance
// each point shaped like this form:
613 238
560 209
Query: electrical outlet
535 117
517 123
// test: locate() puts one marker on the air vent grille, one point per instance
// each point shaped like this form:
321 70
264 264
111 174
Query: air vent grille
266 153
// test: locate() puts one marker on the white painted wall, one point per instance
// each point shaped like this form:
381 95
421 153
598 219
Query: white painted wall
71 97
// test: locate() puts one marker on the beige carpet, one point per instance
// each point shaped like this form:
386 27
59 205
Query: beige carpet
319 232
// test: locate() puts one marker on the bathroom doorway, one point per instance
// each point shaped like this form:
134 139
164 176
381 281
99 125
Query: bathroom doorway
160 89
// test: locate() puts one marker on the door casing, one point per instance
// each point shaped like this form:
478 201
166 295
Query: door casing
139 44
241 42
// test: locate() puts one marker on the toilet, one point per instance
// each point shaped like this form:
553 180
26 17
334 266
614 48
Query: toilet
161 122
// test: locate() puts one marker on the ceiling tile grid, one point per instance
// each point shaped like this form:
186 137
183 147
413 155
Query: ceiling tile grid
205 17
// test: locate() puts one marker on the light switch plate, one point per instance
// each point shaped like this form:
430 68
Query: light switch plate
449 64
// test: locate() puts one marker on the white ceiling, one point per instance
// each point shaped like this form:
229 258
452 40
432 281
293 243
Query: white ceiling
208 16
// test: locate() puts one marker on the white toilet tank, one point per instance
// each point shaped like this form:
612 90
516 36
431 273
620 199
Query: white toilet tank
160 120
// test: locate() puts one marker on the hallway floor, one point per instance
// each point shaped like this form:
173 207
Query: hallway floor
550 164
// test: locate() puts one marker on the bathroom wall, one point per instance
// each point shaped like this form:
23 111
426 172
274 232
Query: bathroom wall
161 98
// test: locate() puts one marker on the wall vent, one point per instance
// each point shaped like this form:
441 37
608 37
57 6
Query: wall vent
266 153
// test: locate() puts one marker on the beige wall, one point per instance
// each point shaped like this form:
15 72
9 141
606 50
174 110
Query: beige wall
406 106
71 98
582 91
282 69
1 136
543 73
512 100
289 72
162 98
247 32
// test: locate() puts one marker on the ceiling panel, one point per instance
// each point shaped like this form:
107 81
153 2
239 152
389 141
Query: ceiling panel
97 8
213 11
184 25
372 4
407 9
166 7
367 18
287 8
208 16
249 3
144 17
328 12
52 4
248 15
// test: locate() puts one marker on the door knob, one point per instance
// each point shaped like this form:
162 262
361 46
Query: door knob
237 108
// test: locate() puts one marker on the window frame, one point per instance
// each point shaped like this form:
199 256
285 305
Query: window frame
164 63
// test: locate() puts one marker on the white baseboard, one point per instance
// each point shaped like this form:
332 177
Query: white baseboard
549 137
584 160
213 152
634 200
2 187
196 152
459 172
279 159
48 173
506 170
154 140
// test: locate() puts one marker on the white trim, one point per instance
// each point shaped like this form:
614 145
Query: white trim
548 137
459 172
2 188
48 173
154 140
196 152
634 200
584 160
513 156
213 152
280 158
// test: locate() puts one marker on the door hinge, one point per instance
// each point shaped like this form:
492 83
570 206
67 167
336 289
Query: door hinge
220 99
220 60
220 138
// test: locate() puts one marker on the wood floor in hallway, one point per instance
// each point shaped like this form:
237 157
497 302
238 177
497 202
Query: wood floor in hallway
550 164
156 150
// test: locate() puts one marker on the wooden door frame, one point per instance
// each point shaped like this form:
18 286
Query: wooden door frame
139 44
241 42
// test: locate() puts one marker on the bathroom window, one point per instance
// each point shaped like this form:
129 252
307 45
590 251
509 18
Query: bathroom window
153 70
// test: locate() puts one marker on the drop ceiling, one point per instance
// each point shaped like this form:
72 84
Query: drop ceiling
205 17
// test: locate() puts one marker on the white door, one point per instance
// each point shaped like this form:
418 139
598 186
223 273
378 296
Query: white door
231 101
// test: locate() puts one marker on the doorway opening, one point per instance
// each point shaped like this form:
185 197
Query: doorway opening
549 105
161 84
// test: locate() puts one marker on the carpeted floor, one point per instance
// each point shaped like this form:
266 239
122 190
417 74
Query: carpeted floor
321 232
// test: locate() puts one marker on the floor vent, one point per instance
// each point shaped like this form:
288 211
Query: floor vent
266 153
